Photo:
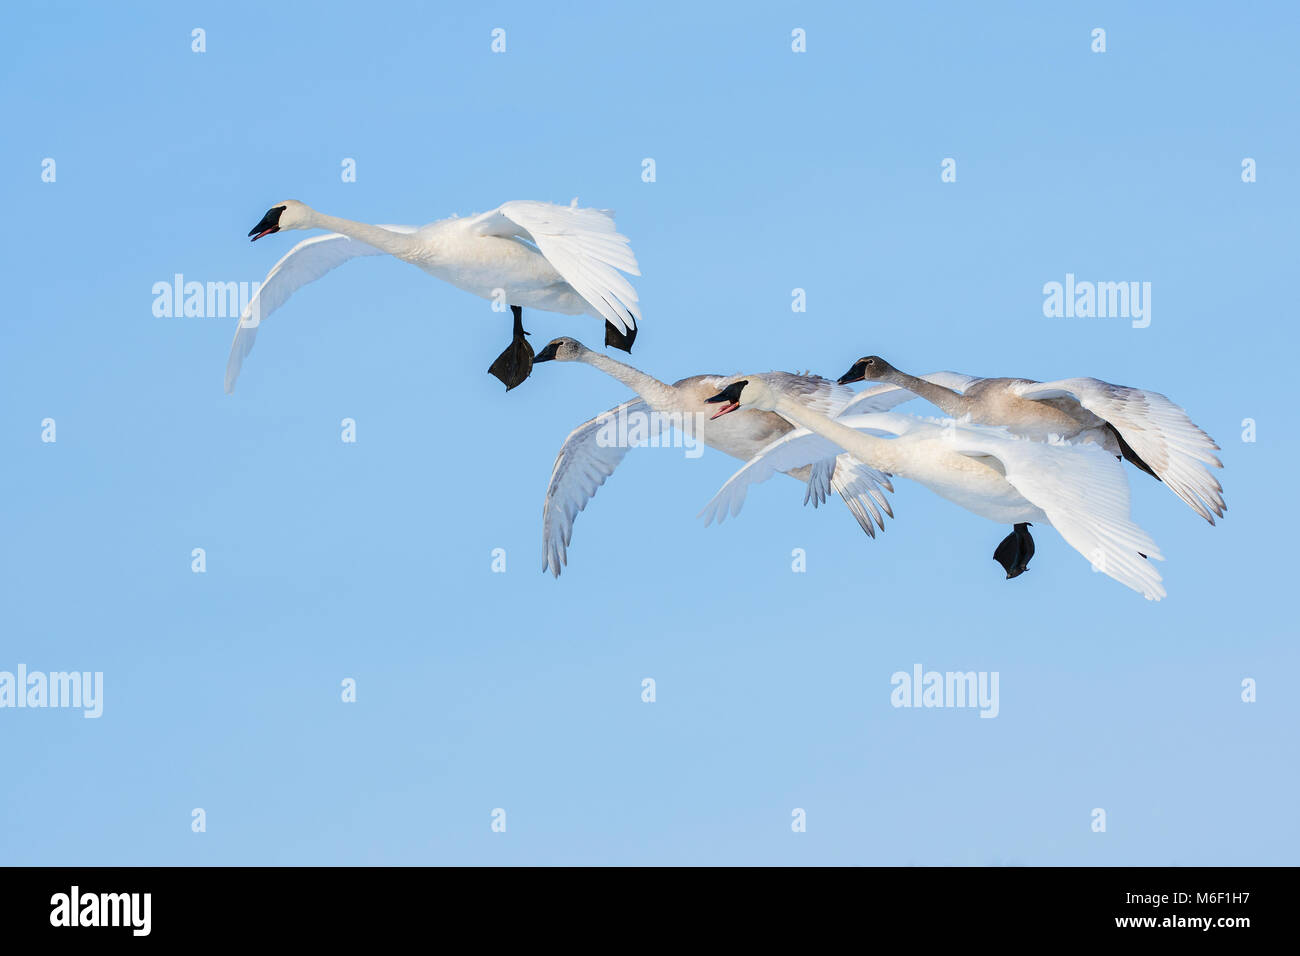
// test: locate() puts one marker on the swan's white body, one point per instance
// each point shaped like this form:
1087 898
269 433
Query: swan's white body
584 462
1079 489
1086 409
534 254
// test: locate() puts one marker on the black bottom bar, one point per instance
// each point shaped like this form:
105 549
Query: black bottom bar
182 905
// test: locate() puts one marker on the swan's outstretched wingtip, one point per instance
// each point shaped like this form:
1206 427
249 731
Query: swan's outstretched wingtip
554 561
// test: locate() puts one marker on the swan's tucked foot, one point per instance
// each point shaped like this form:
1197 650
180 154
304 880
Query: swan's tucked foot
515 364
617 339
1015 551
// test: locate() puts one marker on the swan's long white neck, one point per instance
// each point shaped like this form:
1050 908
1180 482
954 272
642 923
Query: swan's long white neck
660 395
393 243
876 452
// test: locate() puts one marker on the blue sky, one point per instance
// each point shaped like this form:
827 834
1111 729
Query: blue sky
373 561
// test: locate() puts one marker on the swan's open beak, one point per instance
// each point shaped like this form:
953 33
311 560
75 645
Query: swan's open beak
270 223
548 353
855 374
729 398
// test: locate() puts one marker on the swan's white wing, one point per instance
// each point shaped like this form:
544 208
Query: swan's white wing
792 450
1085 494
584 247
306 262
1154 427
882 398
583 464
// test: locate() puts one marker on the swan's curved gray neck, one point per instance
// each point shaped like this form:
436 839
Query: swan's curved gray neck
660 395
946 399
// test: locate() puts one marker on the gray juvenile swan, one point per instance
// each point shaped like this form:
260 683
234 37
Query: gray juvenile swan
584 461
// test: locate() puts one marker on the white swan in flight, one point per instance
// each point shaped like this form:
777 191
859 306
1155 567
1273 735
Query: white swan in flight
1079 489
1148 429
539 255
588 456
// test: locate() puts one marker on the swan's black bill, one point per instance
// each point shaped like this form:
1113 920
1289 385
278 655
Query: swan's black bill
730 396
515 364
270 223
548 353
856 374
1015 551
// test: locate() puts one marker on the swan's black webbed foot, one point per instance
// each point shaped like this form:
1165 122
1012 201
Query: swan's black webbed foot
515 364
1015 551
618 339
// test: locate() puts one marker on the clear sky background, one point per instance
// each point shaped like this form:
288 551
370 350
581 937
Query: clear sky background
372 561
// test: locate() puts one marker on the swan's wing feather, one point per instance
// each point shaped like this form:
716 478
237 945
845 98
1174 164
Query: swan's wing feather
793 450
581 467
1084 492
819 394
877 398
953 380
583 245
819 482
1159 431
862 487
306 262
884 397
863 490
